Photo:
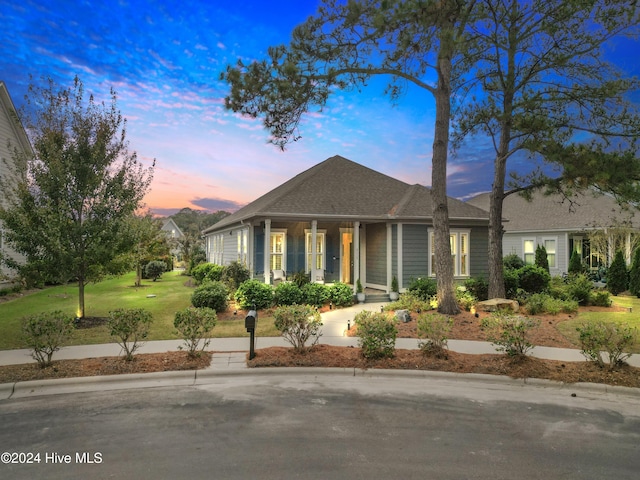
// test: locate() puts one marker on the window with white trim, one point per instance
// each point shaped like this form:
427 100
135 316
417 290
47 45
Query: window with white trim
217 252
277 250
320 248
550 247
529 251
459 240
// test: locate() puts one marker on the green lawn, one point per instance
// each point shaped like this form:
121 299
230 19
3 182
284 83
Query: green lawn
631 318
170 293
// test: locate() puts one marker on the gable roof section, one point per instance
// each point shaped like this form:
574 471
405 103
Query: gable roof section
555 213
341 188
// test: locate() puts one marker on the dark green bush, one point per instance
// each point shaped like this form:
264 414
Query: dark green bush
129 327
287 293
541 259
194 325
45 333
600 298
634 274
425 288
579 288
377 334
254 293
234 275
512 262
617 275
510 282
533 279
315 294
154 269
301 278
478 287
212 295
575 263
341 294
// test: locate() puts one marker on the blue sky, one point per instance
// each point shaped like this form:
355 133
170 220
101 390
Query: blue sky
164 60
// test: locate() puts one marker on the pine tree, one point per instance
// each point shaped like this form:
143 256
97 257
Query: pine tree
634 274
617 276
575 263
541 257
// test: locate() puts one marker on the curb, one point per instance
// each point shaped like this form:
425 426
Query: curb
191 378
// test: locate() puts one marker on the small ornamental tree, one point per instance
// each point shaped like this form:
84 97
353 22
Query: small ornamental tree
634 274
298 324
195 325
45 333
617 276
377 334
129 327
541 259
155 269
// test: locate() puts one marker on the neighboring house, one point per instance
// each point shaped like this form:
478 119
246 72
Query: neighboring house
12 135
340 221
593 225
174 234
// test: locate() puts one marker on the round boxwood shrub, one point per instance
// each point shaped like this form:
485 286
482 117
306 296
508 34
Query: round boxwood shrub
533 279
207 271
212 295
287 293
510 282
254 293
315 294
478 287
512 262
341 294
425 288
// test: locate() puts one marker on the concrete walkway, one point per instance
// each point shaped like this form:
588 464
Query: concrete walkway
230 353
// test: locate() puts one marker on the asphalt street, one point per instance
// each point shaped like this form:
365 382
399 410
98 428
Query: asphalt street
323 425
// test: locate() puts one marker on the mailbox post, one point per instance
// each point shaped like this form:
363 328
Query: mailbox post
250 323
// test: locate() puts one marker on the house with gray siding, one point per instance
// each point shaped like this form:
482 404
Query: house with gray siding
12 136
564 225
342 221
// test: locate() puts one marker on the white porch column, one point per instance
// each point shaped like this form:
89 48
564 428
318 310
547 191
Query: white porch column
267 251
314 253
400 258
389 256
250 251
356 254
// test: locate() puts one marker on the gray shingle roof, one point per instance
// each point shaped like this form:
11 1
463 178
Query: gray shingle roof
339 188
552 212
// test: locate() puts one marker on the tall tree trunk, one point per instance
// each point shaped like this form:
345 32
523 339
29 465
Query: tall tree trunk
447 303
80 312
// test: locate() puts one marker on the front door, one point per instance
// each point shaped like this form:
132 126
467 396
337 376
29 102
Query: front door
346 254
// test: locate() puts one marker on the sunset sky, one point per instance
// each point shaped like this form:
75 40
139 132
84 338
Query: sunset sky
164 60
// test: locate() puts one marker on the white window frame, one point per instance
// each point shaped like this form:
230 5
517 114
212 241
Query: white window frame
242 246
553 254
320 234
460 269
283 233
532 253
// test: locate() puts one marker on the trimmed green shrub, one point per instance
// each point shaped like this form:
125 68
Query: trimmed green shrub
45 333
634 274
533 279
425 288
195 325
377 334
510 332
510 282
559 288
579 288
535 303
234 275
287 293
617 275
538 303
575 264
154 269
541 259
298 324
434 330
254 293
512 262
315 294
409 301
610 337
212 295
478 287
129 327
600 298
341 294
207 271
